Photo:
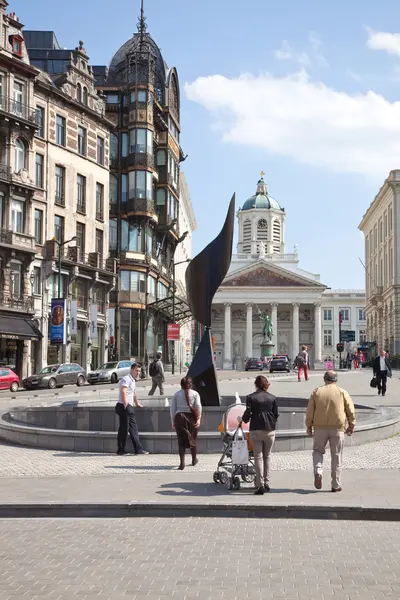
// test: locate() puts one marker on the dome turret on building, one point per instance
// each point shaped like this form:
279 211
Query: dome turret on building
261 222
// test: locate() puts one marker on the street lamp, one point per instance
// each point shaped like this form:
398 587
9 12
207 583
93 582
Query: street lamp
174 264
60 245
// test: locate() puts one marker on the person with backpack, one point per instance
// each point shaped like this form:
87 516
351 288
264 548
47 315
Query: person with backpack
156 372
302 363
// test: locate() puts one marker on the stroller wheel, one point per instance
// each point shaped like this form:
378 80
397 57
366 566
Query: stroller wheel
236 483
229 483
223 477
216 477
248 474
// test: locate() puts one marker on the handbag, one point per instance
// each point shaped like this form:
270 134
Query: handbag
373 382
240 450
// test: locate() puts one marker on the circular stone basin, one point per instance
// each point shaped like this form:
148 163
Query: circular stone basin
91 426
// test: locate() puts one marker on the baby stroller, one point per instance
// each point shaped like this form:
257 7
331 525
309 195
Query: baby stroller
227 473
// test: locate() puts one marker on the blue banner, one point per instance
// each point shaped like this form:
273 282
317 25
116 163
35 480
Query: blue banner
58 325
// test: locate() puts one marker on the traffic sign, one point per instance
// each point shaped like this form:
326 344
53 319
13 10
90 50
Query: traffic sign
173 332
347 335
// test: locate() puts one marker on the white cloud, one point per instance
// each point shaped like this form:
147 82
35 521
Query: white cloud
304 120
304 59
382 40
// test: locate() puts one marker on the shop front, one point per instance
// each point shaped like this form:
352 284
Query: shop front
16 337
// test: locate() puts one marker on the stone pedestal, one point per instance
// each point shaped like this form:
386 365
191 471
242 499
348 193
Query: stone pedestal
266 349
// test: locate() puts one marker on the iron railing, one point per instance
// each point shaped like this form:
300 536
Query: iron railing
142 205
141 159
81 207
17 302
99 214
18 109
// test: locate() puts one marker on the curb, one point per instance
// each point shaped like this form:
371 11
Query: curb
54 510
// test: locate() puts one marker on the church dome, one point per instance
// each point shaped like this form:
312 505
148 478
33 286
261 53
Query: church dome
261 199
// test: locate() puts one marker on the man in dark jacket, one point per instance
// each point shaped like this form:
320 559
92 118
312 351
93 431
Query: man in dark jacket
262 412
156 372
382 370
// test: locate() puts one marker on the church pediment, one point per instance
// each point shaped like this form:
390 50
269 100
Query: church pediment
264 277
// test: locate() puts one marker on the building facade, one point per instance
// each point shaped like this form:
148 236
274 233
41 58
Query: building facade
143 102
53 187
264 279
381 228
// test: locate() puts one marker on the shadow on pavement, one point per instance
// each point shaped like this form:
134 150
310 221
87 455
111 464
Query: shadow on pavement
211 489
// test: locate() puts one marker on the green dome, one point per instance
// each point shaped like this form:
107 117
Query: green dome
261 199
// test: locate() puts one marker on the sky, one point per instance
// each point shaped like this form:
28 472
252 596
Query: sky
305 91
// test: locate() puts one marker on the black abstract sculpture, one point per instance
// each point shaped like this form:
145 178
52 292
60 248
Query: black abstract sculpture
204 275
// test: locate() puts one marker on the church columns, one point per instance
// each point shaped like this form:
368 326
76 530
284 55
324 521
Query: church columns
317 334
274 320
296 332
228 337
249 330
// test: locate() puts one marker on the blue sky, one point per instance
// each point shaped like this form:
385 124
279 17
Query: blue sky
305 91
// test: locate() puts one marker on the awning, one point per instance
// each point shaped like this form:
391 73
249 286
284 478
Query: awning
182 310
13 328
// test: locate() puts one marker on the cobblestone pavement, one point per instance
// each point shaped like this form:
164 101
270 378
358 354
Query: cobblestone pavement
17 461
156 559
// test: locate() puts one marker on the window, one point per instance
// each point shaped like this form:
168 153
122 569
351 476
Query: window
60 130
113 191
39 121
141 141
161 197
162 291
85 96
80 234
327 337
20 156
100 151
363 336
124 188
2 89
60 186
81 141
59 228
79 92
99 201
131 237
361 314
133 281
113 148
37 283
161 158
151 286
38 226
327 314
16 277
99 242
17 216
125 145
16 44
345 314
18 98
81 194
113 234
246 235
112 98
39 170
140 184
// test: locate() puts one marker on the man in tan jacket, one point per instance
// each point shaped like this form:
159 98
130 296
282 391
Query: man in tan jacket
328 409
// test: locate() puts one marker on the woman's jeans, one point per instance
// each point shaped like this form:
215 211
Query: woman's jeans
263 442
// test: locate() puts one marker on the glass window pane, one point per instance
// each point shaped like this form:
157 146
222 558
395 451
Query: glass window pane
141 140
142 96
124 235
149 185
124 182
161 197
140 184
149 142
125 281
125 143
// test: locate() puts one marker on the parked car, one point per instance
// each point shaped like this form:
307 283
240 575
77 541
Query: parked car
110 372
279 363
56 376
253 363
8 379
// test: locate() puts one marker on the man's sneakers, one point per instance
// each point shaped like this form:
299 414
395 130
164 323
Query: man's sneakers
339 489
318 481
142 452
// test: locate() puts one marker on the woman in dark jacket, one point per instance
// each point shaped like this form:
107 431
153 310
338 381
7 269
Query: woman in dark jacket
262 412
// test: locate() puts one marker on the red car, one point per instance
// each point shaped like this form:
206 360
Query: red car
8 379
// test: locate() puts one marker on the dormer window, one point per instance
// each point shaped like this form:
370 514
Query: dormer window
16 42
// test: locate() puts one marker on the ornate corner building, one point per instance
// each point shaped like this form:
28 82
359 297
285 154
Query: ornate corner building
143 102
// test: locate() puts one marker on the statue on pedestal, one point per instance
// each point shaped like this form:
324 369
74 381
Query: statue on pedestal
267 331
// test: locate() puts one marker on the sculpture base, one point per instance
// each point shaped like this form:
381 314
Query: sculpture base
266 349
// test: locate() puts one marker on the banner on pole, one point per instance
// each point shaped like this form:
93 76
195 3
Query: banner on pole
58 329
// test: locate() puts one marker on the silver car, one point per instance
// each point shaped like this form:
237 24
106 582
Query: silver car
56 376
110 372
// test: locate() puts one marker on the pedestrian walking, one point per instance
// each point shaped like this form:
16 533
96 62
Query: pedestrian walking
382 370
156 372
186 418
126 413
262 412
328 409
301 362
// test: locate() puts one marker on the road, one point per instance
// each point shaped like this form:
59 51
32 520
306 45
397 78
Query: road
157 559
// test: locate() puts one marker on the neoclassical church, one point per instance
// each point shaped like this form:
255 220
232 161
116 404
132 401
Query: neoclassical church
263 278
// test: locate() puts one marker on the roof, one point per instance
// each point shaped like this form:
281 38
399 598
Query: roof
139 42
261 199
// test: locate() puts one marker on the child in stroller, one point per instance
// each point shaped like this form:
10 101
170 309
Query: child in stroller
228 473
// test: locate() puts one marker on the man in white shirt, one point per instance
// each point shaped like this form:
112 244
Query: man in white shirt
125 411
382 370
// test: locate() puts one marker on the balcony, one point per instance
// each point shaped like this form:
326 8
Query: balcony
74 255
142 206
141 159
17 303
18 110
165 222
22 241
5 173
